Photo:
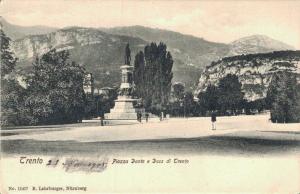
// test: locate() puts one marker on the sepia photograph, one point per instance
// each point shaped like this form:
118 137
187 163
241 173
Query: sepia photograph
150 96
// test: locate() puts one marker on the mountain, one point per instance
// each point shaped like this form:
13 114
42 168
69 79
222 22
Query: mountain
189 50
254 71
16 32
100 53
256 44
193 54
96 50
197 51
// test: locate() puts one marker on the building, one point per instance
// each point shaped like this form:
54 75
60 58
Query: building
88 84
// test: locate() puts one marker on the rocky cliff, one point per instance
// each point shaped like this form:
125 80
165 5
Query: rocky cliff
101 50
254 71
100 53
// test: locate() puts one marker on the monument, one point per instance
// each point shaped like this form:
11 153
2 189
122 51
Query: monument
124 109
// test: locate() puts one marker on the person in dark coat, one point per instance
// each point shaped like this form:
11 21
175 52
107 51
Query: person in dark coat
213 120
101 114
102 120
139 116
147 116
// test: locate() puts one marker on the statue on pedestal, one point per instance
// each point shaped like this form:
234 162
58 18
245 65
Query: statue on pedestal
127 55
124 109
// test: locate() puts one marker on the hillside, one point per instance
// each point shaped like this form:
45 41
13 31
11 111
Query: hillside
193 54
16 32
190 50
100 53
254 71
84 43
256 44
198 52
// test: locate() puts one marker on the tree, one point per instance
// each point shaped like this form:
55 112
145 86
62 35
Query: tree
189 103
55 89
283 95
178 91
8 61
139 74
230 94
210 97
156 86
11 92
177 100
13 111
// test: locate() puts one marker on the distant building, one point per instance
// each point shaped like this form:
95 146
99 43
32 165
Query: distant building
88 84
21 81
102 91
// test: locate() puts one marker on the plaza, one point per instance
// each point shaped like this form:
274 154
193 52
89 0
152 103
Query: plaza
242 134
245 153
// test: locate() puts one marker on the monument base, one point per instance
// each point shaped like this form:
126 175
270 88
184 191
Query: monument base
123 109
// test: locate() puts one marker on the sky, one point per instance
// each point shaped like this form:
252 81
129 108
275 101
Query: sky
218 21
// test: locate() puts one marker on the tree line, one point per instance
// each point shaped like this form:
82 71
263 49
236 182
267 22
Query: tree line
54 91
283 98
54 87
227 98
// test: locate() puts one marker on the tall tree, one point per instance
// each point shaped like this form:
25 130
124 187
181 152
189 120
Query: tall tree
209 98
11 92
8 61
157 76
230 93
283 94
139 74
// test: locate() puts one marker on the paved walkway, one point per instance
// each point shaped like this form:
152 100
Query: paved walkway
172 128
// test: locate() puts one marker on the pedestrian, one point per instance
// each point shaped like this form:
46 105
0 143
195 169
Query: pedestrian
161 117
102 120
101 114
147 117
213 120
139 116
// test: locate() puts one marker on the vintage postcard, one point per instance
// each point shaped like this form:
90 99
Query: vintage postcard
163 96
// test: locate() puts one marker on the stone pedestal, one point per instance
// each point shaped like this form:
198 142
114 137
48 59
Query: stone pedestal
123 109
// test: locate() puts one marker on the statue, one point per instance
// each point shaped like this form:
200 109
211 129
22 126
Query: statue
125 92
127 55
124 106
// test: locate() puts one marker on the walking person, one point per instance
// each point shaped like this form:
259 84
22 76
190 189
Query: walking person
139 116
102 118
213 120
161 117
147 117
